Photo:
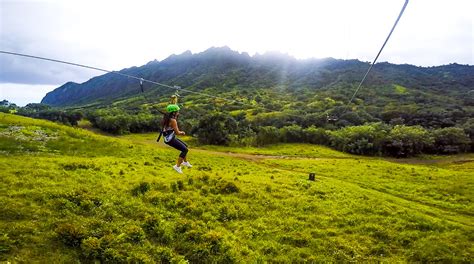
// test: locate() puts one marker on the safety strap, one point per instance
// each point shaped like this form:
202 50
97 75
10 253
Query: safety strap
159 136
161 131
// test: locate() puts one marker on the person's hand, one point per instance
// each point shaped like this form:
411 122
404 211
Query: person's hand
182 133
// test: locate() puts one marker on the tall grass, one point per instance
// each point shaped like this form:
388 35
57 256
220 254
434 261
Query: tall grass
81 197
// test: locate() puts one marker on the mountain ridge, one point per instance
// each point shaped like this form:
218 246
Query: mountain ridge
222 67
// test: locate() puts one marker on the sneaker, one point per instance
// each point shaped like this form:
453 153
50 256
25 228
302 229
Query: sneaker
177 169
187 164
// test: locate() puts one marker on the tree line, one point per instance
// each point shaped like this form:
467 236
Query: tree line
367 139
376 138
353 132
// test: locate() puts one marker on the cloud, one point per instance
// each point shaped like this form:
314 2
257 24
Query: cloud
23 94
32 28
28 71
116 35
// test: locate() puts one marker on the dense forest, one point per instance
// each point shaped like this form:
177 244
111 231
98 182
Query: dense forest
401 110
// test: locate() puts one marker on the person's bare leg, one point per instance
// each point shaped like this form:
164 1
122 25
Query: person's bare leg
180 160
185 160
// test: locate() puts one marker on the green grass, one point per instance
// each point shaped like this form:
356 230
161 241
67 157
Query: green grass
400 89
68 196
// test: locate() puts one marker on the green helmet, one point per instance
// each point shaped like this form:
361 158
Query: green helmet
172 108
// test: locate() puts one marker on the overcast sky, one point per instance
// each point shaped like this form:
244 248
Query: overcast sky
119 34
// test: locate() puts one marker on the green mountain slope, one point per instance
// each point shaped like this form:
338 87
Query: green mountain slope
270 90
224 70
68 195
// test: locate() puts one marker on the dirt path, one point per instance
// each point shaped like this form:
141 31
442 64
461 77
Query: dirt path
255 157
457 159
443 161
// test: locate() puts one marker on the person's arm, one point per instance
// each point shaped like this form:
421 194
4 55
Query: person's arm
174 125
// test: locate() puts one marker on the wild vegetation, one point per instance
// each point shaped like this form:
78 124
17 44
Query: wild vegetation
68 195
221 128
402 110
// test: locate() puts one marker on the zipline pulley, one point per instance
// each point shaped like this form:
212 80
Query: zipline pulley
141 84
177 88
331 118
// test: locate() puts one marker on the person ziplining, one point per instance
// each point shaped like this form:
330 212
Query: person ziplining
170 130
169 123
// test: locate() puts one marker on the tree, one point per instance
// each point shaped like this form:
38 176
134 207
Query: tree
362 140
215 129
406 141
316 135
450 140
468 127
292 134
268 135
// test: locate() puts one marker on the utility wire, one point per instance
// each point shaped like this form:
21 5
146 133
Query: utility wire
380 51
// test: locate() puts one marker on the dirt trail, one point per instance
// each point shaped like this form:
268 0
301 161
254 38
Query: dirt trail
457 159
255 157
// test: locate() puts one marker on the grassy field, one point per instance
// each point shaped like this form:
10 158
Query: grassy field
68 195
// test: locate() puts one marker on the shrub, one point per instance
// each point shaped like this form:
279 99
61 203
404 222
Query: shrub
135 234
142 188
43 111
227 213
158 230
70 234
221 252
228 188
180 185
91 247
5 244
174 186
112 255
268 135
162 255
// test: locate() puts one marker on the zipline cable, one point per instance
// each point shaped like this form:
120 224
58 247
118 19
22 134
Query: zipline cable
177 88
380 51
141 80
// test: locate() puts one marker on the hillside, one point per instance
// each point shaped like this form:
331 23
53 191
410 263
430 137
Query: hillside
68 195
273 90
225 70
